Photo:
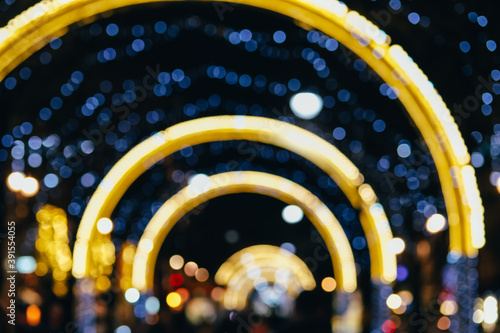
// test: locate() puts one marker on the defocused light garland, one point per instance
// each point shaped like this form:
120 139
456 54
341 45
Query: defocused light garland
238 182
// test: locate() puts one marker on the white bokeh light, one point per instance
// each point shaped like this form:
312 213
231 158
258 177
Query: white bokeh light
306 105
104 226
132 295
292 214
435 223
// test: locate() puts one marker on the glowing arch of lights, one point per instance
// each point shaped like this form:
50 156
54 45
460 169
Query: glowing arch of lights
34 28
264 130
246 182
274 265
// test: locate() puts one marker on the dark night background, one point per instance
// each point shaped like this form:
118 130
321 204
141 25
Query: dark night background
53 100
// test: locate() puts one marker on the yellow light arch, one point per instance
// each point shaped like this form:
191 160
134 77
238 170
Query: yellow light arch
264 130
34 28
274 265
245 182
240 286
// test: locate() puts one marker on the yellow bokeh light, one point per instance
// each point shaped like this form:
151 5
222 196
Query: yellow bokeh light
498 184
394 301
435 223
174 299
328 284
60 289
41 269
448 308
103 283
176 262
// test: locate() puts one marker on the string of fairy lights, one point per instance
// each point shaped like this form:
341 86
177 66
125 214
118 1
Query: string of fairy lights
90 114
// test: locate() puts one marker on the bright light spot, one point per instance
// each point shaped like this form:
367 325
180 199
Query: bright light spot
328 284
176 262
292 214
190 268
33 315
199 183
396 245
435 223
123 329
15 181
29 187
201 275
306 105
104 226
152 305
498 184
490 310
239 122
25 264
132 295
448 308
174 299
254 272
394 301
478 316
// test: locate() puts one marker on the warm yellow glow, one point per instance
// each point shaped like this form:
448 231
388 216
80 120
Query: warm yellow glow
174 299
278 133
435 223
52 245
103 283
33 315
249 182
328 284
257 265
448 308
34 28
264 255
394 301
104 226
472 200
176 262
498 184
241 285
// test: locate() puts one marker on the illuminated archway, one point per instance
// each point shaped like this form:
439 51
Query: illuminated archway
264 130
245 182
245 270
34 28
